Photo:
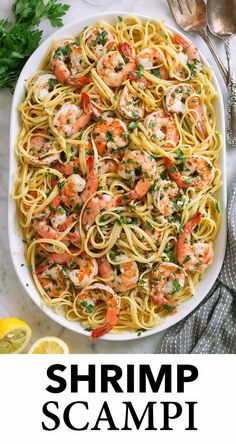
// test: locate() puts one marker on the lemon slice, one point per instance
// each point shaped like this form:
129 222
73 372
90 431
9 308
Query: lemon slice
49 345
14 335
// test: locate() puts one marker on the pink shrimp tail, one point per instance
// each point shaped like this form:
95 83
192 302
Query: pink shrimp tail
195 105
112 317
125 49
100 331
175 174
193 223
85 102
168 163
180 40
66 224
119 200
42 267
132 75
56 202
52 259
54 182
78 81
159 299
60 258
90 162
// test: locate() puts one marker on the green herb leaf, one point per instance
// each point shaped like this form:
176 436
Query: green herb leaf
33 11
140 71
20 39
186 259
156 73
168 308
133 125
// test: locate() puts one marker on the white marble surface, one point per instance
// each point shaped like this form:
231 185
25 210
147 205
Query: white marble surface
13 302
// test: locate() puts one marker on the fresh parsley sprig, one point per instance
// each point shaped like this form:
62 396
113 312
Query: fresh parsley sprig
20 39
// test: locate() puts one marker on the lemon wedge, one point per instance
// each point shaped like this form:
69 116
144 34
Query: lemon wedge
14 335
49 345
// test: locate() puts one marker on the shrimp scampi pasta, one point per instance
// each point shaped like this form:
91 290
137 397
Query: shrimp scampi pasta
117 173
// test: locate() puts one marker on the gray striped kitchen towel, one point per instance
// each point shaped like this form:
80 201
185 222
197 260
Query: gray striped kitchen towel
211 328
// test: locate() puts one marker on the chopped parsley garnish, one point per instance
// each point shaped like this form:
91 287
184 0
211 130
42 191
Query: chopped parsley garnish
140 71
186 259
109 136
179 154
51 83
168 308
188 180
176 286
156 73
149 225
102 38
192 65
133 125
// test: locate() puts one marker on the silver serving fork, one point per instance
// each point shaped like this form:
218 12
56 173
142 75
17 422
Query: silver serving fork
191 16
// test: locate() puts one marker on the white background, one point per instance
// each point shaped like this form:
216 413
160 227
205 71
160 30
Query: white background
23 381
13 302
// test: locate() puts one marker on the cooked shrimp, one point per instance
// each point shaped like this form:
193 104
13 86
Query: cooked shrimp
100 292
114 66
84 270
95 206
76 190
69 119
138 165
176 98
161 127
44 85
51 259
152 58
110 136
45 230
92 180
167 281
190 54
198 113
141 81
79 269
92 105
49 209
67 64
99 39
164 197
72 167
60 220
126 279
130 106
54 281
193 256
43 148
107 166
72 189
197 172
53 226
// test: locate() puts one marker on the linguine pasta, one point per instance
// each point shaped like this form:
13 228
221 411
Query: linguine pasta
117 153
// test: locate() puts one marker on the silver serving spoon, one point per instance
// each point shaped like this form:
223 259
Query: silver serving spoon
221 16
